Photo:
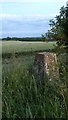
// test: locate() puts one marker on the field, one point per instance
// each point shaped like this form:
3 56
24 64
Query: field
20 47
23 97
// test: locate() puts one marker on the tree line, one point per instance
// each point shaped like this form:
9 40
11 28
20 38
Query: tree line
25 39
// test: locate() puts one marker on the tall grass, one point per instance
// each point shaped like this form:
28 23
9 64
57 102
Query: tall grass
23 97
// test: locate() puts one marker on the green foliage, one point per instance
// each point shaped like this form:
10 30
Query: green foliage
44 39
59 27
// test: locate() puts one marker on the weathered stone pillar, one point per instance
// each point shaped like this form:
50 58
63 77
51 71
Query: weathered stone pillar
45 66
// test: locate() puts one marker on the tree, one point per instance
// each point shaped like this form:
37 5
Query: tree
8 38
44 39
59 27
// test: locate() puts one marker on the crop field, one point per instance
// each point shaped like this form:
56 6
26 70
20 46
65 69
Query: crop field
22 96
20 47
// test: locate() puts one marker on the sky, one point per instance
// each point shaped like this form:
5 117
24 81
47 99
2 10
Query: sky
27 18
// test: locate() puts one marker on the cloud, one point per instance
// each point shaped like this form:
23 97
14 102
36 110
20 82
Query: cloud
25 17
23 0
16 25
9 16
33 1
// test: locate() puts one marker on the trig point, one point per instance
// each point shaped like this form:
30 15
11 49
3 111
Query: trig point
45 66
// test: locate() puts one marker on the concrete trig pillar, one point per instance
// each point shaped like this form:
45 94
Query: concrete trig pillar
45 66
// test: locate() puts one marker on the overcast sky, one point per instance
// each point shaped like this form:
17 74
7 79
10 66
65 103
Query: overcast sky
27 18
